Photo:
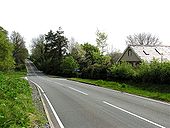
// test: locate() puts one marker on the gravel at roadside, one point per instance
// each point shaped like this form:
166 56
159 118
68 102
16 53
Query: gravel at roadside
38 104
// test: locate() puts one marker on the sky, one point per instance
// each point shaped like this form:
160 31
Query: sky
80 19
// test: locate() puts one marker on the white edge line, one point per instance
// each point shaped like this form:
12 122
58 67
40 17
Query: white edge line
134 115
52 108
78 91
45 108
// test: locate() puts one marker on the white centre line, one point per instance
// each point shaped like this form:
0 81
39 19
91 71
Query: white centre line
134 115
68 87
78 91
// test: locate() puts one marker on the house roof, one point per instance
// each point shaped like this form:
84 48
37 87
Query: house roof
148 53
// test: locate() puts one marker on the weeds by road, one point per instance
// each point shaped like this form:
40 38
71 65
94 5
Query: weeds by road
16 106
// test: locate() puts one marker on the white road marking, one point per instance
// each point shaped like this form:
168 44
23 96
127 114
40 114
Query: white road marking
26 78
45 109
78 91
51 81
52 108
66 86
134 115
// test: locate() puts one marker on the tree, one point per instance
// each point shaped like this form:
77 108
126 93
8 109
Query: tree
101 41
56 48
78 53
69 66
6 59
39 56
92 54
20 52
142 39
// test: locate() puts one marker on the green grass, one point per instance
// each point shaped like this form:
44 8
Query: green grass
16 106
137 90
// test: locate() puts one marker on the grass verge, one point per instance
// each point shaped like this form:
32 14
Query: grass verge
154 94
17 109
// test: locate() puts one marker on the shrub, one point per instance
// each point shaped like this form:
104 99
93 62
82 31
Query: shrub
165 73
20 67
96 71
142 72
69 66
122 72
155 72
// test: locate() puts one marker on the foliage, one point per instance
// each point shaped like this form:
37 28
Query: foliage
20 53
155 72
69 66
142 39
105 60
16 104
121 72
165 72
56 48
39 55
92 54
142 72
49 50
6 59
96 71
78 54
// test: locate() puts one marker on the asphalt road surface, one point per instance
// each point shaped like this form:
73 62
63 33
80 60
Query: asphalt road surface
79 105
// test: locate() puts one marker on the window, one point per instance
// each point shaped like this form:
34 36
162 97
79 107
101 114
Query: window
145 52
129 52
157 51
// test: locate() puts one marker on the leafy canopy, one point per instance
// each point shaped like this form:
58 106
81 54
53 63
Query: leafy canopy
6 59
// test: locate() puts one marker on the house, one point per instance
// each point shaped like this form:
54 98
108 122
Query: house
135 54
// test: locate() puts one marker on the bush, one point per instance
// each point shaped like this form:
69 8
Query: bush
122 72
165 73
142 72
155 72
20 67
69 66
96 71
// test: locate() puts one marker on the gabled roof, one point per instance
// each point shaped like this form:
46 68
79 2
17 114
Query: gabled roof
148 53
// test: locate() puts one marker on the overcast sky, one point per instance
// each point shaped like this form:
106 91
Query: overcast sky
81 18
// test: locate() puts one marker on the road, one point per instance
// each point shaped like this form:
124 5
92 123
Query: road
80 105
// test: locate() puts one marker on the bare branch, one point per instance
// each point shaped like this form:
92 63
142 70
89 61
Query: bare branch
142 39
